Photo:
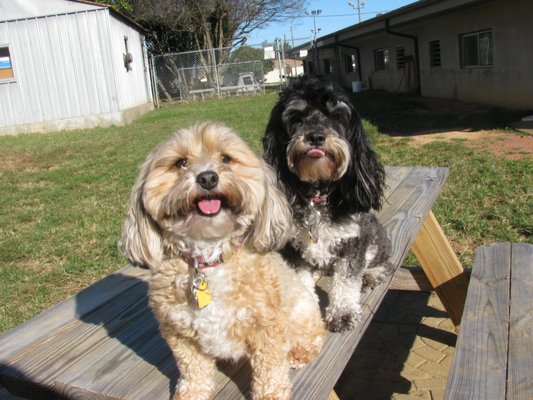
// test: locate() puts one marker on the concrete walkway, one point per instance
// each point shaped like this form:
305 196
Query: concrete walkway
406 352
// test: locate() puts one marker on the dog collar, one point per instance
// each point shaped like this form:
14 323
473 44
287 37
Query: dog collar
318 198
198 263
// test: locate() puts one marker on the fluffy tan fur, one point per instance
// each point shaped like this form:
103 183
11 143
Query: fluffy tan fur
259 309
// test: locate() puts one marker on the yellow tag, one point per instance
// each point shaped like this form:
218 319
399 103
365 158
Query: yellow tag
201 294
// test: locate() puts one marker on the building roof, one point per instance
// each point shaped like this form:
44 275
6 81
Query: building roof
403 15
11 10
22 9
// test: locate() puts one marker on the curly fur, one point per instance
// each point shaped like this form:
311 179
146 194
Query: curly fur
316 143
203 194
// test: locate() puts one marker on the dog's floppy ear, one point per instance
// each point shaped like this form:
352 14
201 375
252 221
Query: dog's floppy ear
141 242
362 185
272 226
275 144
275 139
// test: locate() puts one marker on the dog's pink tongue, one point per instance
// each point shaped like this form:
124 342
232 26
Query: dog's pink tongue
317 153
209 206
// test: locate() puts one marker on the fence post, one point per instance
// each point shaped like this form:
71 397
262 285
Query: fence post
154 80
215 63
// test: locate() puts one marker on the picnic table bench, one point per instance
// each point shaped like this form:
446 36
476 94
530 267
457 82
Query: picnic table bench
494 352
104 343
209 92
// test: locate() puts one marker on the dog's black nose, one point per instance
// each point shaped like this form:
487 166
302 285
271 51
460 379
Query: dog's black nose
207 179
316 138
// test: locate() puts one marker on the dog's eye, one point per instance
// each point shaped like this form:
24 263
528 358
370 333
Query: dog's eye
225 158
336 114
181 163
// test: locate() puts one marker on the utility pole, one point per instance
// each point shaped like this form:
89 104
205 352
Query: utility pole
360 4
292 35
314 13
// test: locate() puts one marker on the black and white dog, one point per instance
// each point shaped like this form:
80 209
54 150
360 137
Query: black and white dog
332 178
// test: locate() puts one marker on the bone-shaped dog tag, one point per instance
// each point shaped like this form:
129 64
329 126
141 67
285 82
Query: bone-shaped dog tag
200 291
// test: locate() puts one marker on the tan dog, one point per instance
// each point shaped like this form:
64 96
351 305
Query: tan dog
206 217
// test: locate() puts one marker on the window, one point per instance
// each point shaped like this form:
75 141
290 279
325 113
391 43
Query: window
400 57
476 49
434 53
350 62
381 59
327 66
6 68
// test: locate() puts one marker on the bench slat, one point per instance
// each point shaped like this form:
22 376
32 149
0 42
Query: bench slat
38 328
395 177
520 381
479 366
48 360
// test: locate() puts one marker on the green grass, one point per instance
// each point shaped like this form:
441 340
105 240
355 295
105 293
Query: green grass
64 194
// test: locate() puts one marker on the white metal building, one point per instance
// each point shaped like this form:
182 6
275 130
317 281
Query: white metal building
69 64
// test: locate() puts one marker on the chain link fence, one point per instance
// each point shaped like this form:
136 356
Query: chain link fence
198 75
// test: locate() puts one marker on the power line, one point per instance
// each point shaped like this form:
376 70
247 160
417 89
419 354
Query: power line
338 15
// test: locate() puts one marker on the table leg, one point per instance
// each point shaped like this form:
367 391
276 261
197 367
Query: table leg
442 267
333 396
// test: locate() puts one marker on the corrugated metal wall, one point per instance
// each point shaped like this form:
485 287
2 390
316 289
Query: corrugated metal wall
133 87
70 66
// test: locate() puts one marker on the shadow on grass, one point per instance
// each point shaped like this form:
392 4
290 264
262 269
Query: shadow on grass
404 115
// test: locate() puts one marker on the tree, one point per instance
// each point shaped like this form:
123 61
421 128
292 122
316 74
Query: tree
181 25
184 25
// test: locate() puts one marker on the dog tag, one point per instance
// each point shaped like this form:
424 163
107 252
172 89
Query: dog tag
313 235
200 291
313 222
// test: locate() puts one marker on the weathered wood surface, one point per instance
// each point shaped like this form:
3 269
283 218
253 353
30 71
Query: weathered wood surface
494 352
104 343
520 358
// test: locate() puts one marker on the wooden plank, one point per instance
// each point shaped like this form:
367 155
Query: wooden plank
410 279
520 363
442 267
408 206
45 361
117 364
333 396
480 362
35 330
394 176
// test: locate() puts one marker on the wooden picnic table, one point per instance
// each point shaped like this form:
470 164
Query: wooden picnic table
104 342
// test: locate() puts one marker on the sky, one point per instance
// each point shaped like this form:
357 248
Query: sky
334 15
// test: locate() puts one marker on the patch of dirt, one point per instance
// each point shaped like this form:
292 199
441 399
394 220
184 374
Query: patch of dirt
511 145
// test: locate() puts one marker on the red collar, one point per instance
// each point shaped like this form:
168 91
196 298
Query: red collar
198 263
314 199
318 199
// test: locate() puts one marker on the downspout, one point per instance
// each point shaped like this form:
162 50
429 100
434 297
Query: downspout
339 61
415 43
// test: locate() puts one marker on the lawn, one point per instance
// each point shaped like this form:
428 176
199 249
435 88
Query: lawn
65 193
